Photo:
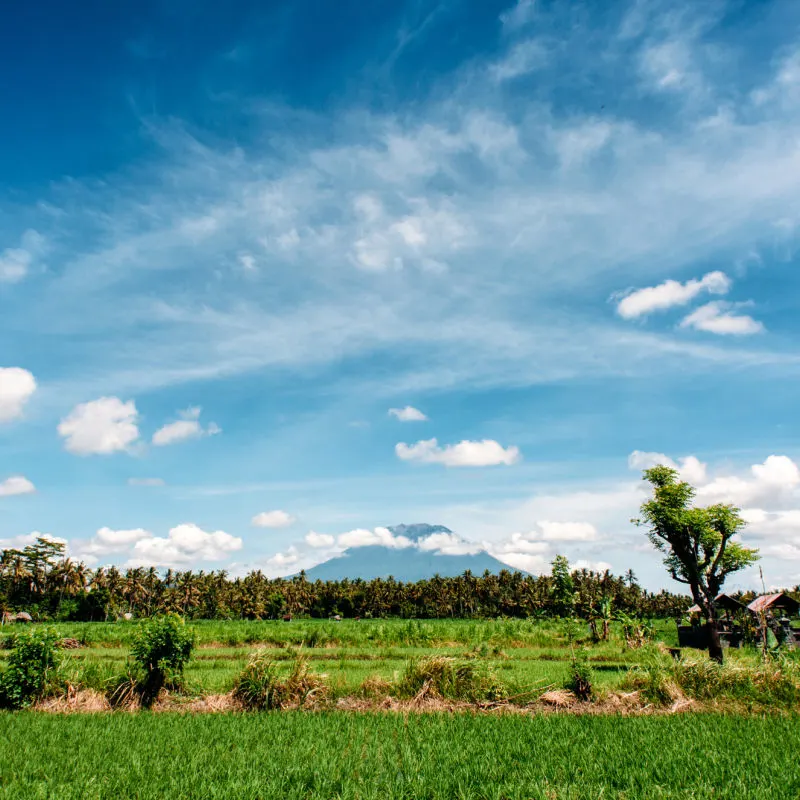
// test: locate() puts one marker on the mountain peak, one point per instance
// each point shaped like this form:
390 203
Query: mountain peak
418 530
412 562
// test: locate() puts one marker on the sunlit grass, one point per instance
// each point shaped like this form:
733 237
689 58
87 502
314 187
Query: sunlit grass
365 756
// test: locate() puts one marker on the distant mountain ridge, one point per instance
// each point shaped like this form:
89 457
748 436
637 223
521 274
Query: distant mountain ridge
408 564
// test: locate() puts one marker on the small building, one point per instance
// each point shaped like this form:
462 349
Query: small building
730 635
780 603
730 605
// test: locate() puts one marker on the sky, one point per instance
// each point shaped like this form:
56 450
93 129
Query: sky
274 276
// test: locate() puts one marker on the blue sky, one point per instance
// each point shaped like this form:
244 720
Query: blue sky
232 239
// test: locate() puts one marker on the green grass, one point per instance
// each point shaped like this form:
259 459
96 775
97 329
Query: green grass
523 653
349 633
338 755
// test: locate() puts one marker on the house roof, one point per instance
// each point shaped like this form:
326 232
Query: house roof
723 601
779 600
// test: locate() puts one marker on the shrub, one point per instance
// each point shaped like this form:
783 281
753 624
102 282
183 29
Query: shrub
773 683
32 668
161 647
260 687
580 677
445 677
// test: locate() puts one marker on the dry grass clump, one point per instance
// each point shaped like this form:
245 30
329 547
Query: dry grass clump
75 701
451 679
261 687
375 688
774 683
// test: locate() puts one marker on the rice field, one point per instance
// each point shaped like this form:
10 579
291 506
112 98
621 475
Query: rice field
350 754
341 755
525 654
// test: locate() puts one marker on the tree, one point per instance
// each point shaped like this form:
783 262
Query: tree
697 542
563 592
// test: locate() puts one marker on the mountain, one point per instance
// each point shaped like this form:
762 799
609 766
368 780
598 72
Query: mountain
421 559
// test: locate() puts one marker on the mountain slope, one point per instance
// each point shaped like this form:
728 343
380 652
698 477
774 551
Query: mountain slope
406 564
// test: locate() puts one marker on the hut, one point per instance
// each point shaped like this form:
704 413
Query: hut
730 634
780 602
730 605
24 616
776 611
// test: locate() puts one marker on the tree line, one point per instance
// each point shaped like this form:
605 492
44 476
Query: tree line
41 580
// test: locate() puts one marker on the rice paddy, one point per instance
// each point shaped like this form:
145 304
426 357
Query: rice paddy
514 751
341 755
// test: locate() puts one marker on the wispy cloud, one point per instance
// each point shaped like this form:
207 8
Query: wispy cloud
188 427
408 414
718 317
15 262
414 235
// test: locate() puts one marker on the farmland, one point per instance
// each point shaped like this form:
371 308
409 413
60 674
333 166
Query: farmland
349 746
527 655
340 755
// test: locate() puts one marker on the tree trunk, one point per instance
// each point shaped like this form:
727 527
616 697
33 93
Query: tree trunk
714 644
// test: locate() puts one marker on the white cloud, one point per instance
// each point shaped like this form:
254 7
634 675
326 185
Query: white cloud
715 317
281 560
319 540
187 428
273 519
15 262
361 537
247 261
101 426
691 469
527 562
566 532
16 387
464 454
670 293
146 482
772 483
16 484
408 414
186 544
523 58
594 566
108 540
28 539
449 544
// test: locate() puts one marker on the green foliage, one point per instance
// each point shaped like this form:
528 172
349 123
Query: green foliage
451 679
261 686
581 678
161 648
563 591
697 542
32 668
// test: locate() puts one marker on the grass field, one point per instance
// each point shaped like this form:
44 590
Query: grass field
505 751
524 654
341 755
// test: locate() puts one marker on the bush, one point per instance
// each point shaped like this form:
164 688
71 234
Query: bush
447 678
32 668
580 677
770 683
259 686
161 647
